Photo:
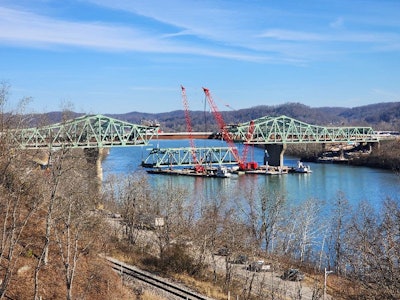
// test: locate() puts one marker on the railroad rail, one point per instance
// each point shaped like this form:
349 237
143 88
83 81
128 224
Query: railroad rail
170 288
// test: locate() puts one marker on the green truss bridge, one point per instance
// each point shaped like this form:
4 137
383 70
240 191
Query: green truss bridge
273 132
161 157
90 131
98 131
285 130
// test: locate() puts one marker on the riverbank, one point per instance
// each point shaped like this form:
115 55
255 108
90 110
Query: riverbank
386 155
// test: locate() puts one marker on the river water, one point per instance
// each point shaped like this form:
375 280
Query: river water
325 182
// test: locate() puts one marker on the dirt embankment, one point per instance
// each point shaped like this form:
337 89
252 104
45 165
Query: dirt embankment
386 155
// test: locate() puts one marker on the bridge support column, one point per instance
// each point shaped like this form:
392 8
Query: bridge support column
94 157
374 146
274 154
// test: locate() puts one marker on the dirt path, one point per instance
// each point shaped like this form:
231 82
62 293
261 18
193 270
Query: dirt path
269 285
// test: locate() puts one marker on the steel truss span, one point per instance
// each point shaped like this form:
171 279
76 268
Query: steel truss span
90 131
284 130
161 157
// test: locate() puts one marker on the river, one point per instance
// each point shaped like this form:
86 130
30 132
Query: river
324 183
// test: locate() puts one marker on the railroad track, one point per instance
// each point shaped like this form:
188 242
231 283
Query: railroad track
173 289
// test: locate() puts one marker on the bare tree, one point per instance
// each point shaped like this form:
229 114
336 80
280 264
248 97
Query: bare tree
132 195
18 198
373 250
58 174
169 205
233 236
388 251
262 211
74 230
310 226
206 234
300 230
272 205
361 235
251 211
16 210
339 225
67 214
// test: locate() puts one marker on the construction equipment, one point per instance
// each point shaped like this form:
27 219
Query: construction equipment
248 165
243 165
198 166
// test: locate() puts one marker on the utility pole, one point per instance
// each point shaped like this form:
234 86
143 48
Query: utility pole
326 273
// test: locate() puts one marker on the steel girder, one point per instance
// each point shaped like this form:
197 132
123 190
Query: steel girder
90 131
162 157
282 130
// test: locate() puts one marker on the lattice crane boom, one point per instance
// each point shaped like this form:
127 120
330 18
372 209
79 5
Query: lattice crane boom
221 123
249 136
198 167
187 117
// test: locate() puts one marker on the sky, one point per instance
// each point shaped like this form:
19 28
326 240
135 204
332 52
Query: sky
115 56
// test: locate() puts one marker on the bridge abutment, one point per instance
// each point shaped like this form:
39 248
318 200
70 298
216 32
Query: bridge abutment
274 154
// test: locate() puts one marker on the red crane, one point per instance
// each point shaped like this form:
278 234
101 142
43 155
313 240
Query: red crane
226 135
249 135
198 167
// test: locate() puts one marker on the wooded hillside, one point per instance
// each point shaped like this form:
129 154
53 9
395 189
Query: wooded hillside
381 116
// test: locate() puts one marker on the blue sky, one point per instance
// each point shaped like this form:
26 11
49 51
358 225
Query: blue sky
114 56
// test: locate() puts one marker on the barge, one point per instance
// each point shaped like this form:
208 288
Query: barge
219 172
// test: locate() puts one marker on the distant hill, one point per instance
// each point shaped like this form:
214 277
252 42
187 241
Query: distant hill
380 116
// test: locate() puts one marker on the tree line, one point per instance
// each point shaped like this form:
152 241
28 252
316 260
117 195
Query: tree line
359 244
50 234
380 116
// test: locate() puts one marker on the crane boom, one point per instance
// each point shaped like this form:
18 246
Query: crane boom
221 123
249 135
187 117
242 161
198 167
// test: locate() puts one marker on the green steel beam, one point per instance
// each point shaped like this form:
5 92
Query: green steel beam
162 157
283 130
90 131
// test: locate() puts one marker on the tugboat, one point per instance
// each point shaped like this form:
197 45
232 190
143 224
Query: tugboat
301 168
222 172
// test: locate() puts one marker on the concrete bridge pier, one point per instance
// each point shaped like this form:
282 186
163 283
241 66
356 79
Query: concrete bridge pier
94 157
373 146
274 154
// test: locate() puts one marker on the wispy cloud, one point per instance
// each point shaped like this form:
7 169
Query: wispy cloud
387 95
350 37
25 28
201 29
338 23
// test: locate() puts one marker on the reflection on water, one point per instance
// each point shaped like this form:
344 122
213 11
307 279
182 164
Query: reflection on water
327 180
